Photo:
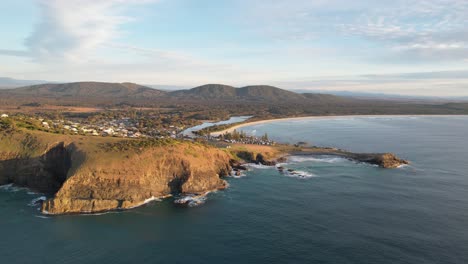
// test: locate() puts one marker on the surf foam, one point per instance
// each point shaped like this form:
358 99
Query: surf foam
325 159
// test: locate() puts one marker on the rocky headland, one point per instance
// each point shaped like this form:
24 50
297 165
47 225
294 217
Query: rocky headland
83 174
88 175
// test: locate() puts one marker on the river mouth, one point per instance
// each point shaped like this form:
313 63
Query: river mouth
232 120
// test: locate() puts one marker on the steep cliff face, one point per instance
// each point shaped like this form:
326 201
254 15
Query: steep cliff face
108 183
45 173
85 177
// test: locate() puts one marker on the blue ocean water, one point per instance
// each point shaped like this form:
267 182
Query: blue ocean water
343 212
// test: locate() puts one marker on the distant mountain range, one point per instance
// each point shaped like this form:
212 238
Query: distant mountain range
205 92
226 92
260 100
6 82
87 89
385 96
134 91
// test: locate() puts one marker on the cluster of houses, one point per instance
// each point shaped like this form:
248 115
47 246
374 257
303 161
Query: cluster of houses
124 127
250 140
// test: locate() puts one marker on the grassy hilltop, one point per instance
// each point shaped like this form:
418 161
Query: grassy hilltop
91 174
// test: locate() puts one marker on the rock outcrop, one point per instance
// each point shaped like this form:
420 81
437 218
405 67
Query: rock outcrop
383 160
85 177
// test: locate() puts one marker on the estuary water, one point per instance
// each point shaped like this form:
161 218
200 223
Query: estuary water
232 120
337 212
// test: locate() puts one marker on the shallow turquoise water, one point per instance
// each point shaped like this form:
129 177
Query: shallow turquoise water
343 213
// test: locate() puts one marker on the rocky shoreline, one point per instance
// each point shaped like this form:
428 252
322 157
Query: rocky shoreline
92 175
383 160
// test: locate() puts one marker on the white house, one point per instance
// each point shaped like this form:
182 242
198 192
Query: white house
4 116
109 131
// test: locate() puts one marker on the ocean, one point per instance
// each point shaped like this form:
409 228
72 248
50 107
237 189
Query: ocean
337 211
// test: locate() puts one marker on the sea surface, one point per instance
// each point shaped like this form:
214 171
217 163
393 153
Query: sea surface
335 212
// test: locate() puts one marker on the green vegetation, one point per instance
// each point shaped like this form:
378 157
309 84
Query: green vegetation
7 124
137 144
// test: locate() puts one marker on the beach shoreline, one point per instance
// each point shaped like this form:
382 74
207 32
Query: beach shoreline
231 129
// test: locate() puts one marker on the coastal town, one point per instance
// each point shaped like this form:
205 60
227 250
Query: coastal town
125 127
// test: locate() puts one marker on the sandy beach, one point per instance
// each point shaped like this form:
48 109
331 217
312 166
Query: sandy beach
231 129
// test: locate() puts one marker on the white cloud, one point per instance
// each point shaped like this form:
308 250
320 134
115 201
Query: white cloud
72 30
405 28
417 30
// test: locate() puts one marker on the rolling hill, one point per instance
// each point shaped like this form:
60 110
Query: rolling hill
248 93
208 91
261 100
87 89
92 93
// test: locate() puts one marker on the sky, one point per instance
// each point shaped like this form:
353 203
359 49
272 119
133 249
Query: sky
409 47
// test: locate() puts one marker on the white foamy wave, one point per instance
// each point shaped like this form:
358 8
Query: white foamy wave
240 175
325 159
151 199
299 174
258 166
11 188
36 201
42 216
191 200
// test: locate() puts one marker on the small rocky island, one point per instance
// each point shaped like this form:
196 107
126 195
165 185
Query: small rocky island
83 174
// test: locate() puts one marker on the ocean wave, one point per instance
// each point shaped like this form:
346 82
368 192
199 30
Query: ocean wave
36 201
258 166
233 174
12 188
325 159
299 174
149 200
191 200
42 216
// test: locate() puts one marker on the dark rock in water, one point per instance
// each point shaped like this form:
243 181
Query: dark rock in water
282 159
385 160
236 165
290 170
242 167
281 169
238 173
301 144
389 160
261 160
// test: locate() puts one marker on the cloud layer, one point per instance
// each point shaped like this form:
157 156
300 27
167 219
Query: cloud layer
297 42
73 29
